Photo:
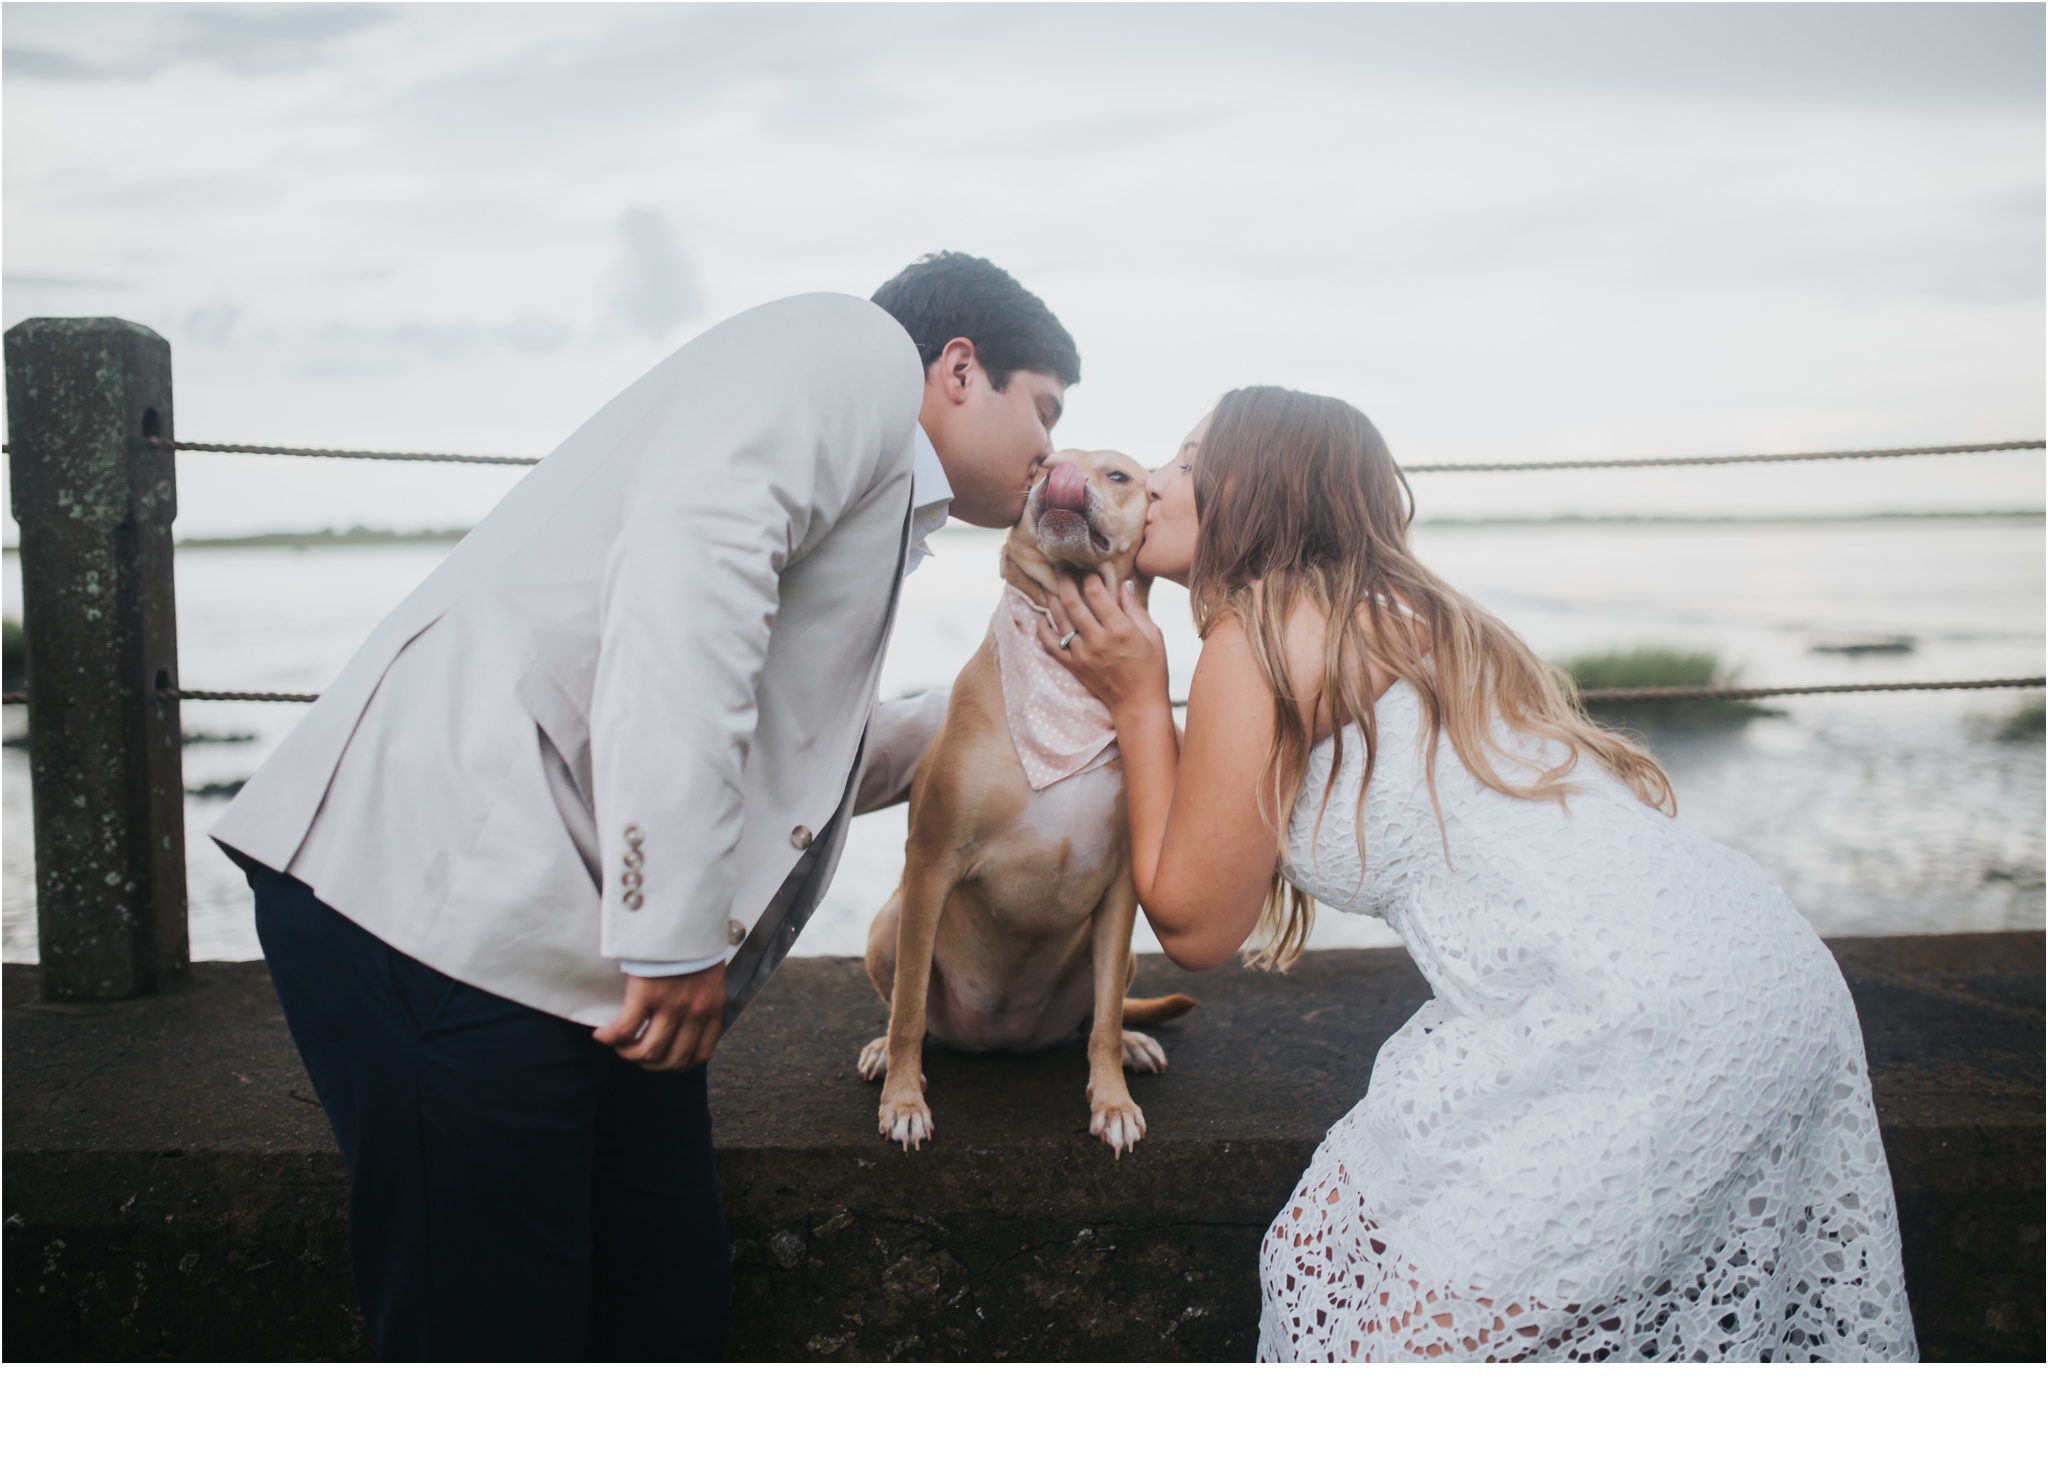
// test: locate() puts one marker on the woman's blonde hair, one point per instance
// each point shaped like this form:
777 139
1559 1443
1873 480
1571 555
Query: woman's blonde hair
1299 501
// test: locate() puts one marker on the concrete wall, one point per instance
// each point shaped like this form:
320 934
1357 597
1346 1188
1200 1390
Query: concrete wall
171 1190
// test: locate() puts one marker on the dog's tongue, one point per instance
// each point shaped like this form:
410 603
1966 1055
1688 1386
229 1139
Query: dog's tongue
1066 488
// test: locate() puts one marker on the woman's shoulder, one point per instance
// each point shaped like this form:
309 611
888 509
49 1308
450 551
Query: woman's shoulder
1228 661
1229 645
1304 639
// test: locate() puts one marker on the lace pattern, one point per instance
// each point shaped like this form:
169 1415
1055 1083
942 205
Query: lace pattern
1634 1120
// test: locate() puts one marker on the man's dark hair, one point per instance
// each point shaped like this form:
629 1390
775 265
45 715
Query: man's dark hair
947 295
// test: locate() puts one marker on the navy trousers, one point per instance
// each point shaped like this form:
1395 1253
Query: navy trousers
517 1190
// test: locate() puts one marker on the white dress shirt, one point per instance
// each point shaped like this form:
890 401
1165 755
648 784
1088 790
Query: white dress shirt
931 498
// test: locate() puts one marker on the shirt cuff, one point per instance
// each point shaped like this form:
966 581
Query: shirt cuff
675 968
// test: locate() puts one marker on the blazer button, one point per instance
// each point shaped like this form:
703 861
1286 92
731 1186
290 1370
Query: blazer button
735 933
800 837
631 900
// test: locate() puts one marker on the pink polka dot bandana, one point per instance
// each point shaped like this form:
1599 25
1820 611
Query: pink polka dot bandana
1058 725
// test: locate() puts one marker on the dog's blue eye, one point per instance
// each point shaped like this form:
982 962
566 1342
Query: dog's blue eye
1119 478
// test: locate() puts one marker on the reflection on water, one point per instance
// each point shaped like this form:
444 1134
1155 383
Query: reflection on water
1878 813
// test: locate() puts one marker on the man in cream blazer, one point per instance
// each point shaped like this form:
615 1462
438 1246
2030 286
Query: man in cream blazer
594 774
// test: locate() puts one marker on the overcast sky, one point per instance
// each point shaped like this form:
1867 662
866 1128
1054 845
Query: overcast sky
1501 230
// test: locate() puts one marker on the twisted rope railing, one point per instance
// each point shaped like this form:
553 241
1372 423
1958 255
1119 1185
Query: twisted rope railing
1598 695
1590 696
185 694
1727 458
1745 694
379 454
1711 461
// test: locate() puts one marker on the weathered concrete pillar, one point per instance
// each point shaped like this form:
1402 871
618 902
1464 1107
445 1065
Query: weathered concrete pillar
95 505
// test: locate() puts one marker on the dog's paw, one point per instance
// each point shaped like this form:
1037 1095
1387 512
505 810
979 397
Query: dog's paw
1120 1124
874 1059
905 1121
1142 1053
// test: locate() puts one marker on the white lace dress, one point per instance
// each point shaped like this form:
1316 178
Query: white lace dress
1632 1122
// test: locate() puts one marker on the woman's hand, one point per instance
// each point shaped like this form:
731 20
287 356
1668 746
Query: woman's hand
1115 650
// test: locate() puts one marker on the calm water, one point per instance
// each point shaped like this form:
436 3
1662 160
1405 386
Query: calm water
1878 813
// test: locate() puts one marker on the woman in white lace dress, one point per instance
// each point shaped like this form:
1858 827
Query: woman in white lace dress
1634 1120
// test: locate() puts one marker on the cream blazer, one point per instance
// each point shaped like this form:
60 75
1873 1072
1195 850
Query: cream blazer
616 721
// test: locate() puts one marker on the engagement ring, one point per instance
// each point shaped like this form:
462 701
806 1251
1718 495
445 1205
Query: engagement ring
1066 638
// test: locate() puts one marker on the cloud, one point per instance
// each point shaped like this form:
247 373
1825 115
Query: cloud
253 39
135 42
654 283
1956 267
34 63
624 61
1889 55
830 61
179 194
69 282
211 325
350 349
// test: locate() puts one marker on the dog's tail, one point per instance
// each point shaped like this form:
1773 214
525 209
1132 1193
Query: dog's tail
1150 1012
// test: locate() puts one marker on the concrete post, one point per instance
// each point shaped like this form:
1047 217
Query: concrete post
95 505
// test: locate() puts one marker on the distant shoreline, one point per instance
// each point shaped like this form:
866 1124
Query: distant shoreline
356 537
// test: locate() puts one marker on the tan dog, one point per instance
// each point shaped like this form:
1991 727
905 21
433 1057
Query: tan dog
1012 926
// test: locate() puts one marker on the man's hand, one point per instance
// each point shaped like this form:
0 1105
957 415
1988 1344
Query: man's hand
668 1023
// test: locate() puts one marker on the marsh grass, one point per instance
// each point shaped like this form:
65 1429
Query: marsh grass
1660 666
2026 723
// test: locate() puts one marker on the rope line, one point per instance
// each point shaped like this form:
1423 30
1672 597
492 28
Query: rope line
183 694
187 696
2018 445
1618 694
276 452
1744 694
393 457
1715 462
1591 696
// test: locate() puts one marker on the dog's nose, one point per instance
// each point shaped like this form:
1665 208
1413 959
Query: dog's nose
1066 488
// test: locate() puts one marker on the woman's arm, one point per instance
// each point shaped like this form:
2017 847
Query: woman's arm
1201 853
1213 850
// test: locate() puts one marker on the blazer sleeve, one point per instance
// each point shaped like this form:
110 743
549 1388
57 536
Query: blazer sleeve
789 416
